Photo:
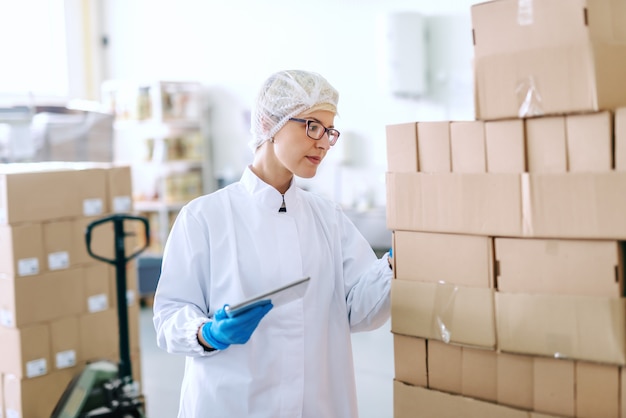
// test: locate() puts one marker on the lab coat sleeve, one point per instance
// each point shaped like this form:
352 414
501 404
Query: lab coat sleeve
181 298
367 280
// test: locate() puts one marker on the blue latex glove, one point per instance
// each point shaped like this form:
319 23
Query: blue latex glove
223 331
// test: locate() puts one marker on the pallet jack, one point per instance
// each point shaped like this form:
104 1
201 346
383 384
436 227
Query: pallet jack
105 389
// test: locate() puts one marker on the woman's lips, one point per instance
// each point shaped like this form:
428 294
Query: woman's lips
314 160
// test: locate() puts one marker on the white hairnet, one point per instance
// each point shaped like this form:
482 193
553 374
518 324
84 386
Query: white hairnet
286 94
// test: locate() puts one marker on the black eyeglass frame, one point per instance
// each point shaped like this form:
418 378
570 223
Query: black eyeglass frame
326 130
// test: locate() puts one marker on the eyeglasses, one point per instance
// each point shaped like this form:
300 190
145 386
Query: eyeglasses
315 130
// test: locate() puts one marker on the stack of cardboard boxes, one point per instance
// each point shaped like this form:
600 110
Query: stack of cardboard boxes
508 297
57 303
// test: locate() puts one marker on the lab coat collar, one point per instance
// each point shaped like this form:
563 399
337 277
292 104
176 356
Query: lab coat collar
267 195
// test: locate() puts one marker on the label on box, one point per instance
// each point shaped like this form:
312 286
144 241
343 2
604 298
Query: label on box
122 204
98 303
65 359
6 318
59 260
36 368
92 207
130 297
525 12
12 413
3 215
28 266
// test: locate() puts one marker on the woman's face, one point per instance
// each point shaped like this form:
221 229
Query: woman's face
298 153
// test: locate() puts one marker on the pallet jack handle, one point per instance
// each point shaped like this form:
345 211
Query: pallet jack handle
119 261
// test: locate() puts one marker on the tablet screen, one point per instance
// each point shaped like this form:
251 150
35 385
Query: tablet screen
279 296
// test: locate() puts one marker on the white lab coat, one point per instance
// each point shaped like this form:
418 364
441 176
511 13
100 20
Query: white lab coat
233 244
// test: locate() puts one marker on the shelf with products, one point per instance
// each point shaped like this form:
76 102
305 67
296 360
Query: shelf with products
160 130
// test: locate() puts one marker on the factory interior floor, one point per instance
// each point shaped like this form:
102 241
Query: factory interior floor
373 360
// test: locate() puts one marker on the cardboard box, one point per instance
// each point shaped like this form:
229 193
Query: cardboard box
554 385
464 260
119 189
46 297
434 147
444 312
590 142
37 397
619 132
479 374
58 248
574 327
25 352
35 196
467 146
65 342
21 250
546 146
515 380
99 335
575 205
410 360
97 296
402 150
445 367
416 402
506 146
546 58
477 204
560 267
597 390
622 392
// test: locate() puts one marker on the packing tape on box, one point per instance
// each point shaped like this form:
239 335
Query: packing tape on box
445 297
527 212
529 98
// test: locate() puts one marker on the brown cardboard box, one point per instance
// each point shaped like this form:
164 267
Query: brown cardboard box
21 250
65 342
417 402
97 296
35 196
553 266
622 392
58 248
619 132
597 390
590 142
410 360
445 367
467 146
25 352
99 335
477 203
134 328
554 386
434 147
575 327
505 145
45 297
479 374
462 315
575 205
119 189
91 184
132 284
37 397
465 260
515 380
402 151
537 58
546 146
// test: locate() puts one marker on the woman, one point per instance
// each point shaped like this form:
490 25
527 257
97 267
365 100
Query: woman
255 235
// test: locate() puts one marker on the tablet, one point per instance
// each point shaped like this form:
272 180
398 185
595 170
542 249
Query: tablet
279 296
